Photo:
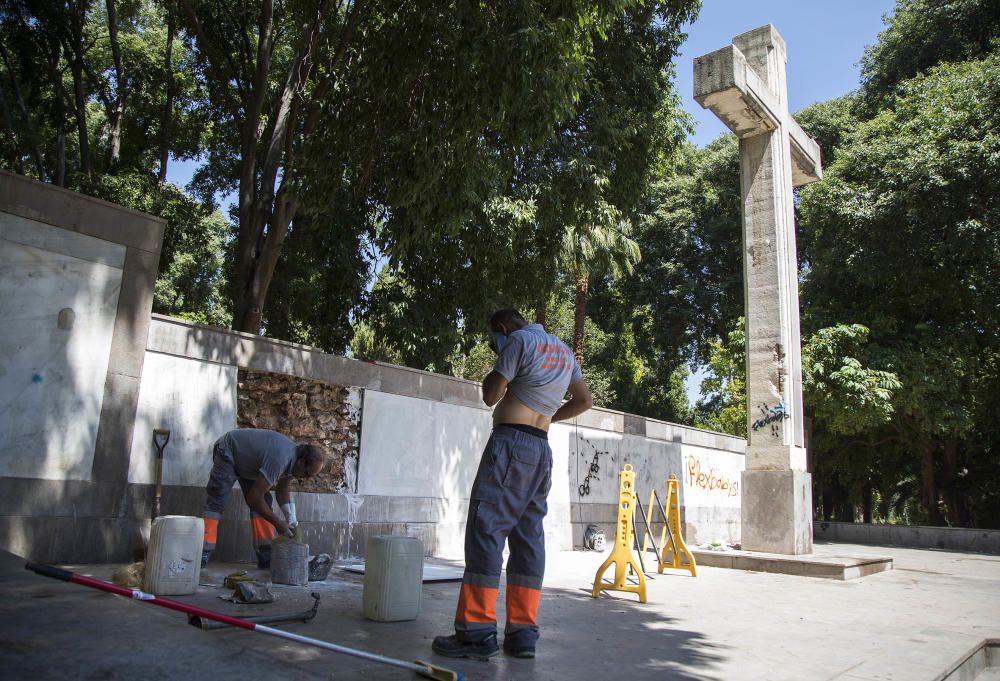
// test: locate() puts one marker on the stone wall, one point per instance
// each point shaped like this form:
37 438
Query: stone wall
308 411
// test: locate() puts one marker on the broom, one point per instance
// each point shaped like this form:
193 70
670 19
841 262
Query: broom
425 669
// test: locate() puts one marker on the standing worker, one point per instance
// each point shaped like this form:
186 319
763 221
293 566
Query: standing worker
259 460
532 373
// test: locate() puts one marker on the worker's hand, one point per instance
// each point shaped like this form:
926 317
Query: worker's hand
281 527
288 508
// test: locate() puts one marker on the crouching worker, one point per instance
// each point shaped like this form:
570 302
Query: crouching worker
508 501
259 460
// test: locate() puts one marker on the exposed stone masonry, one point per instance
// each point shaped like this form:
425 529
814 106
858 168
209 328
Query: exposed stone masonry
324 414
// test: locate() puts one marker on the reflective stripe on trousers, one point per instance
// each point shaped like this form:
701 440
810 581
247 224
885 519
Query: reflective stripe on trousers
508 504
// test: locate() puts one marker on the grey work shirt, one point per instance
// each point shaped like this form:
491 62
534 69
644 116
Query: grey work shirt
257 451
538 367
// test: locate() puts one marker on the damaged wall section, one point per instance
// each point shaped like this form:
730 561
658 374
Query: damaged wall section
308 411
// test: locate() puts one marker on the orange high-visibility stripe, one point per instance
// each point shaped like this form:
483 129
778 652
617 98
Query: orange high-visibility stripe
522 604
261 529
477 604
211 530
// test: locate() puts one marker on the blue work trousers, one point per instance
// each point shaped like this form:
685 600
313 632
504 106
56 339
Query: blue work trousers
508 504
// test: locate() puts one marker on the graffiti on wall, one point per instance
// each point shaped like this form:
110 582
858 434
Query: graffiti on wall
710 481
592 470
772 416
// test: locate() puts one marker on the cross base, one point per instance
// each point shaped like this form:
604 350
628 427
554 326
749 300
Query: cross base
777 512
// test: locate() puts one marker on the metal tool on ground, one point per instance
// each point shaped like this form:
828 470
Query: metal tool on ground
230 580
676 551
424 669
319 567
161 436
250 593
621 552
209 625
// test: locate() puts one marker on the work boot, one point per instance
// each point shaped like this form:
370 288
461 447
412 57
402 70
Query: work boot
452 646
514 650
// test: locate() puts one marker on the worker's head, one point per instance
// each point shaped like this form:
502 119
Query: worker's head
308 461
502 324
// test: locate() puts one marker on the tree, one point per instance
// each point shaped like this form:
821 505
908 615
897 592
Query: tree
98 69
916 186
920 34
691 277
190 283
417 106
594 173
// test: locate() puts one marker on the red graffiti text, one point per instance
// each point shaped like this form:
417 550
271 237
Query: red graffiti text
710 482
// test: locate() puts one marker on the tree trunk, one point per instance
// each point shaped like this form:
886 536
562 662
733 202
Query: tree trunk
930 493
8 122
31 143
81 117
958 514
54 58
579 314
866 504
168 74
540 311
75 38
116 112
270 208
60 178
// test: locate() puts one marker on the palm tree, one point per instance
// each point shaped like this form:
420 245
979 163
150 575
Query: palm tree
603 246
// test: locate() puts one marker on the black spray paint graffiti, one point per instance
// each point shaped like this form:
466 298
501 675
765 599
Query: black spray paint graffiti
771 415
592 472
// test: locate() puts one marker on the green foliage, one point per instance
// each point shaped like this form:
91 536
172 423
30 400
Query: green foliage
904 237
190 283
723 406
846 396
829 123
367 345
691 276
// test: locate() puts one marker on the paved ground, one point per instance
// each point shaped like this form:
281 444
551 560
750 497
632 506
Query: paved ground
908 624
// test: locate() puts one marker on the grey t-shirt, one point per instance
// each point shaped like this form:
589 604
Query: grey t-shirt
257 451
538 367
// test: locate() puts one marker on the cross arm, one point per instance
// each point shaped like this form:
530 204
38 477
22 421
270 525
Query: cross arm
807 165
732 90
724 83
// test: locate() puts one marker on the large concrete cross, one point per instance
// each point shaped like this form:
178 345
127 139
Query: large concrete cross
744 85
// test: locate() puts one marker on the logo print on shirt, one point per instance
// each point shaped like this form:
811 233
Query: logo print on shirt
554 356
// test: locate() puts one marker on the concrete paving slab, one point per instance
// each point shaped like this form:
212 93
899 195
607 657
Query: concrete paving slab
909 624
817 564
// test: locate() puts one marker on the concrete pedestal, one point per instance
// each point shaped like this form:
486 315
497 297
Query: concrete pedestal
777 512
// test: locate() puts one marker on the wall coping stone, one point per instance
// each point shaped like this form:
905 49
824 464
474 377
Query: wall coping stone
183 338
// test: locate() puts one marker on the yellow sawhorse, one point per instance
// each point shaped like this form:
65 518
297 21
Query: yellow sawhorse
621 553
675 550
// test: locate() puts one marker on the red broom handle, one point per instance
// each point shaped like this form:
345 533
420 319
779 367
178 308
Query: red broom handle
67 576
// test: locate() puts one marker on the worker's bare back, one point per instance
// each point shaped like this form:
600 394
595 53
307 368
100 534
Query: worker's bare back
512 410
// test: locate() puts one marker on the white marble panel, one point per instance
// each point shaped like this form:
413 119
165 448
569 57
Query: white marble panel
58 314
711 478
420 448
196 401
61 241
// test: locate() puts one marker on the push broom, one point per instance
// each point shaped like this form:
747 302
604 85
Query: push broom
422 668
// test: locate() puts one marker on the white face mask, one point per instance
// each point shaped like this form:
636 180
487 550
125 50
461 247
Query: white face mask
497 340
